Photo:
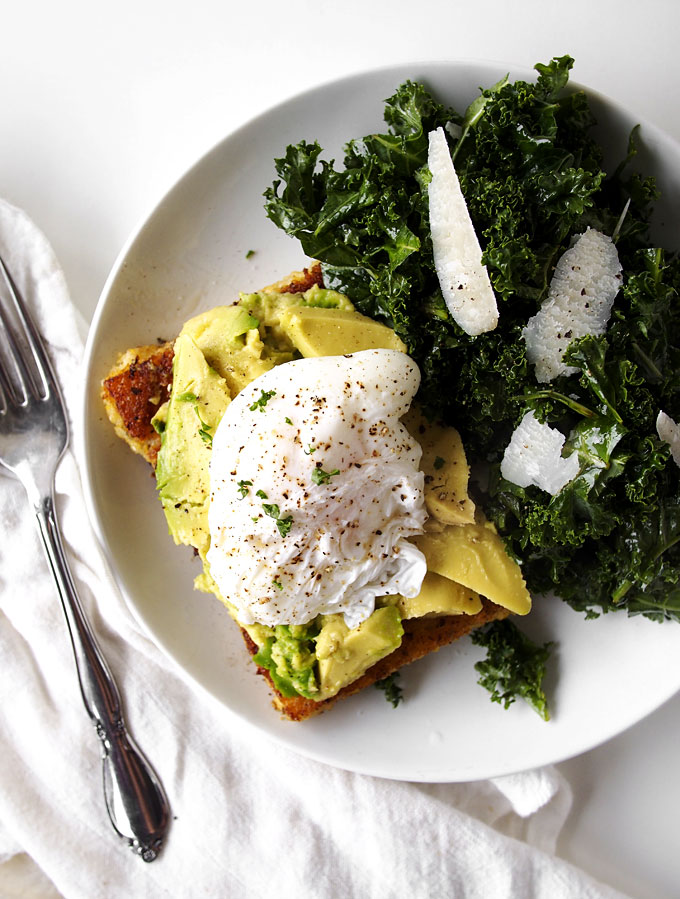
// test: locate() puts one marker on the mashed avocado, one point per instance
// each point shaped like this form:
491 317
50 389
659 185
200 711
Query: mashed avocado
217 354
287 651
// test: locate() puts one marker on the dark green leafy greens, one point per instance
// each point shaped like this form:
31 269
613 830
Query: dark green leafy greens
533 177
514 666
532 174
391 687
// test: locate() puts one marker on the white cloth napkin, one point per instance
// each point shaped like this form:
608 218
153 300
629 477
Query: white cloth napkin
249 818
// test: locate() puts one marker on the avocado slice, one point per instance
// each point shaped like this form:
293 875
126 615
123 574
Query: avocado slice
316 331
438 596
445 467
197 402
343 654
475 556
222 326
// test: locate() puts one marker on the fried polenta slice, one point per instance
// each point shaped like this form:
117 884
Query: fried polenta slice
135 388
132 392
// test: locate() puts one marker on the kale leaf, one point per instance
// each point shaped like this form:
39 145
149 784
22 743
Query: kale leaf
514 667
391 688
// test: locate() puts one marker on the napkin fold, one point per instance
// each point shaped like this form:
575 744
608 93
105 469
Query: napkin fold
250 818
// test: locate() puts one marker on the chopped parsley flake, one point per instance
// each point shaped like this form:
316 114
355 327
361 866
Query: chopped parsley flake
284 525
312 449
288 421
278 585
265 396
261 494
204 431
439 462
243 488
319 476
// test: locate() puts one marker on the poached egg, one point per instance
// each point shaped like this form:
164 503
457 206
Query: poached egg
315 488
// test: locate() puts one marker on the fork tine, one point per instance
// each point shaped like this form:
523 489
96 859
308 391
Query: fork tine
41 367
5 390
13 373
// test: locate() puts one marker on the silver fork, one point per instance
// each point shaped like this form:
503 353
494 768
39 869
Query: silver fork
33 436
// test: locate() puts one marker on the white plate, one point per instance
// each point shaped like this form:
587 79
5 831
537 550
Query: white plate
190 254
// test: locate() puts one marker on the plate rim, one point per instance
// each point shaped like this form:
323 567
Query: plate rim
81 434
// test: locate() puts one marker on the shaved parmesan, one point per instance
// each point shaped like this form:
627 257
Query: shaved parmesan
534 457
464 281
580 299
669 432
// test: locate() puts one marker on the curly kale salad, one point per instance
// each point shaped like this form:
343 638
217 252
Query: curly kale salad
532 176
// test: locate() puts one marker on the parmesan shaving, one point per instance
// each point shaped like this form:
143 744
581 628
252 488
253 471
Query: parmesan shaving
534 457
669 432
463 279
584 286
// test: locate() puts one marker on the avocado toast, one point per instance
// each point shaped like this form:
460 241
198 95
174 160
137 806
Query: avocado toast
166 402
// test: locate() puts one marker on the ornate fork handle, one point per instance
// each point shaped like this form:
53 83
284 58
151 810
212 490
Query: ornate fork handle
135 798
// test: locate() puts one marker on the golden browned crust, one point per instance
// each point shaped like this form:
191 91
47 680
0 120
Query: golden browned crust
299 282
132 392
421 637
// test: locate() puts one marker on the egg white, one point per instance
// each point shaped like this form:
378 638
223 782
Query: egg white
284 548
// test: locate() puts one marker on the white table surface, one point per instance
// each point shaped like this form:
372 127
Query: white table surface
104 106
